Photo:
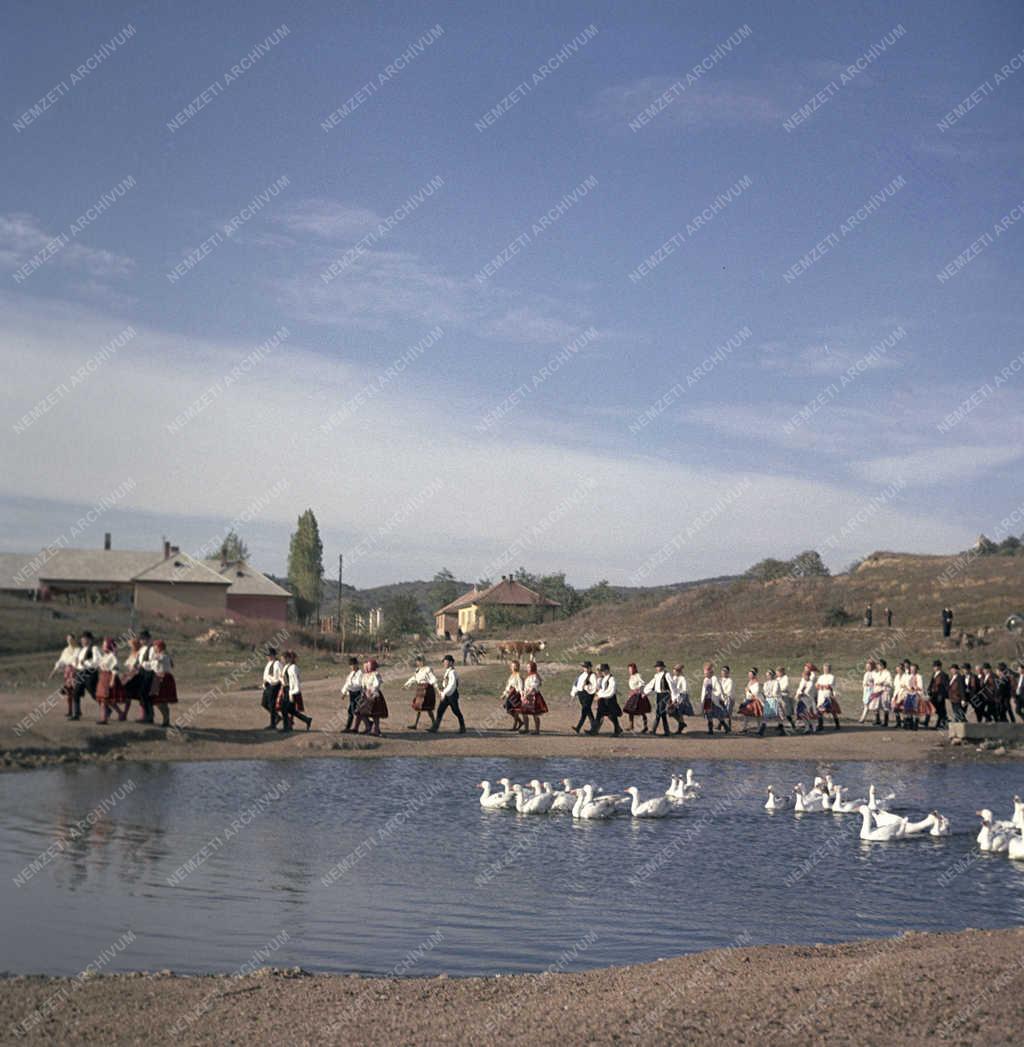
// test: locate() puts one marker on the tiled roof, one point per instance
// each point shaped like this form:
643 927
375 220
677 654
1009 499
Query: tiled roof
246 580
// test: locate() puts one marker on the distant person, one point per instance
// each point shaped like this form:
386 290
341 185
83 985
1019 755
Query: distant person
273 673
938 692
986 696
752 706
425 698
772 705
450 698
144 686
352 691
727 698
807 700
458 633
583 690
533 701
888 617
109 688
1004 694
637 704
947 621
467 647
87 673
1018 691
918 700
788 705
607 701
868 616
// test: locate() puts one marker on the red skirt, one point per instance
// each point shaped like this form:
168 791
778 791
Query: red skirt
425 698
830 706
374 707
753 707
534 704
109 688
165 690
637 704
69 681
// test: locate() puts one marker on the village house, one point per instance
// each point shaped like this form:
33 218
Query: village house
517 603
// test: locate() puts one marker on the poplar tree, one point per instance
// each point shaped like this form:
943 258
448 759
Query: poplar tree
306 567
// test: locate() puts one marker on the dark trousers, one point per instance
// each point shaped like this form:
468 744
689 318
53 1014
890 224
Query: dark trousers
85 680
661 711
145 685
353 703
959 712
269 701
451 702
607 710
586 710
940 711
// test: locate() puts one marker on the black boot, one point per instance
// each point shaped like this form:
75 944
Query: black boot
760 731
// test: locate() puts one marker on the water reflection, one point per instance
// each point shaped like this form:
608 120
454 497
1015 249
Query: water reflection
361 861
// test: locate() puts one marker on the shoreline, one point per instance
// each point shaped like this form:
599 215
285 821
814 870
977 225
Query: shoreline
231 728
906 989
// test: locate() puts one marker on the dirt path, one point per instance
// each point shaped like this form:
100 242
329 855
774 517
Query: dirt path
963 988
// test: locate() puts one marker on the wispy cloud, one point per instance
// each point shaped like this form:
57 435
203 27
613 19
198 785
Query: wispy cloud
937 465
328 219
21 236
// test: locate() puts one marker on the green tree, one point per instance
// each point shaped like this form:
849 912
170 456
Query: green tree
233 548
403 614
443 589
306 567
808 564
599 592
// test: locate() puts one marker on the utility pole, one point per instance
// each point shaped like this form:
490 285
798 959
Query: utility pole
341 621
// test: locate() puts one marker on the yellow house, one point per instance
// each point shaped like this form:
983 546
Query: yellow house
469 611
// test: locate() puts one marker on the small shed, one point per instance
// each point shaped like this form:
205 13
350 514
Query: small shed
469 611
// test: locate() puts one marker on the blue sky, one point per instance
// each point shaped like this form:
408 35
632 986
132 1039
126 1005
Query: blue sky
411 200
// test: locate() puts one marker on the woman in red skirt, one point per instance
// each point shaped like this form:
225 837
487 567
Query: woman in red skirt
752 707
109 688
637 704
164 692
533 701
425 698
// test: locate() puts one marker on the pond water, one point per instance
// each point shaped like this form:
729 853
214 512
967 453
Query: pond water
391 866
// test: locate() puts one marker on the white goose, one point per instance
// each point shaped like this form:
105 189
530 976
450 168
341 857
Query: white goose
508 795
992 837
588 808
808 803
875 801
540 803
921 827
563 801
1015 849
776 803
689 787
491 801
941 825
841 806
659 807
1018 814
878 833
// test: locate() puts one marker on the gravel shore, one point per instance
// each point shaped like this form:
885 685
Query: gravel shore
965 988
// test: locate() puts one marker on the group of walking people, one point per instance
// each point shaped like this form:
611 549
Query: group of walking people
97 670
993 694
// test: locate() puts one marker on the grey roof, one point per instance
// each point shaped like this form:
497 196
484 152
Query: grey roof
113 566
19 572
181 568
246 580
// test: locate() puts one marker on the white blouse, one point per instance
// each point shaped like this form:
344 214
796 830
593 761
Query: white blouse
67 657
636 681
291 673
514 683
108 662
354 680
424 674
371 683
531 684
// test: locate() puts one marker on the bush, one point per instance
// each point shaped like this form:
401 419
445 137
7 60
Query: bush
837 617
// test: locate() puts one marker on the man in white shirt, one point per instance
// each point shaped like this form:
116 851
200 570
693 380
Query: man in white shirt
449 697
583 690
662 686
87 673
607 700
272 673
785 698
680 705
143 680
711 700
353 690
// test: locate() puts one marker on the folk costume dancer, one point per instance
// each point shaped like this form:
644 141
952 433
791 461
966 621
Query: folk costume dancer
712 701
65 665
533 701
957 694
728 701
637 704
680 706
512 696
752 706
867 684
788 705
772 703
583 690
87 673
164 691
806 701
372 705
109 688
661 686
143 681
273 673
352 692
450 697
425 697
607 701
827 702
882 698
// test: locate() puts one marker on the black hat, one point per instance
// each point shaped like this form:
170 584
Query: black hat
144 635
353 661
937 664
587 665
271 650
659 664
449 658
604 667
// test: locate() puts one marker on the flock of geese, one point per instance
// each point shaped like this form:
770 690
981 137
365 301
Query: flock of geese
879 825
588 802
